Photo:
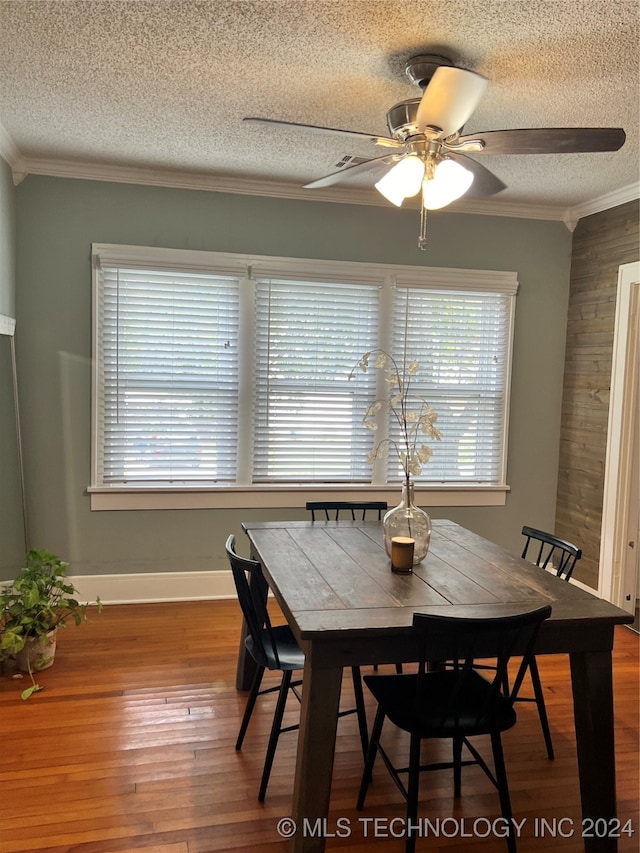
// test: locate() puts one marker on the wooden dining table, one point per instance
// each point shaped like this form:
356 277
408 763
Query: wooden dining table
334 584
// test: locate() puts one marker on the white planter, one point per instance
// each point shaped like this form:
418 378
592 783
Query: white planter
38 653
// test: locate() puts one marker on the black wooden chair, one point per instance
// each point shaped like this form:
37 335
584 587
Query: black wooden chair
274 647
357 510
548 552
456 702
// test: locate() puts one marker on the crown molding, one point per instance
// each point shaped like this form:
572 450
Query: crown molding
21 167
273 189
604 202
10 152
7 325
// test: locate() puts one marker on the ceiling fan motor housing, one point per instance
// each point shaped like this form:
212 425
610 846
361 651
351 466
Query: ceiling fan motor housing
401 119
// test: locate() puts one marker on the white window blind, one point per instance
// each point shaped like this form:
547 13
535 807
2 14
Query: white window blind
307 414
167 366
215 371
462 342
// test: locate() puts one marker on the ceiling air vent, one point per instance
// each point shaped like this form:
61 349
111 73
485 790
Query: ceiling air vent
350 160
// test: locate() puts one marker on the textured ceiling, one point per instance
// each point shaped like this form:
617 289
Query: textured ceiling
164 85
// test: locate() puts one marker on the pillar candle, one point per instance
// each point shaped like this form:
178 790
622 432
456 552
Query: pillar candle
402 553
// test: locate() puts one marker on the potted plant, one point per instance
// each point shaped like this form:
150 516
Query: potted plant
32 608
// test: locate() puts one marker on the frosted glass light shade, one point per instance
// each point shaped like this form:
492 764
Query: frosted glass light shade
403 181
450 181
450 99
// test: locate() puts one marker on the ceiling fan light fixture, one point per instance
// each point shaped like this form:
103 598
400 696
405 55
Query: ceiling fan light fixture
450 181
403 180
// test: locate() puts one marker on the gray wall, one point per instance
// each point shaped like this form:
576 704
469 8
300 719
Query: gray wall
58 219
12 544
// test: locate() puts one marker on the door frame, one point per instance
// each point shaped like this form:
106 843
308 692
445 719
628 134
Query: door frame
623 407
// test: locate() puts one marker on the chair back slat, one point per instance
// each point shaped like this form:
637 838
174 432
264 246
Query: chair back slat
251 588
355 510
561 554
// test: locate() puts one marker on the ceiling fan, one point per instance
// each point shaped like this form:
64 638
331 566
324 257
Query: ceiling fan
426 147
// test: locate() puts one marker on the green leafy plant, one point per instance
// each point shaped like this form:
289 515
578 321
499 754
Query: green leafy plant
412 413
38 601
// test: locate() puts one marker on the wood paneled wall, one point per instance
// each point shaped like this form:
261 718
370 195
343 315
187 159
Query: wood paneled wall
601 243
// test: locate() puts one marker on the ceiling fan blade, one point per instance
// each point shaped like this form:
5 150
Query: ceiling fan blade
350 171
386 141
550 140
485 183
449 99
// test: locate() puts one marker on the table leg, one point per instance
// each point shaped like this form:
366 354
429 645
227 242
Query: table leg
592 684
314 759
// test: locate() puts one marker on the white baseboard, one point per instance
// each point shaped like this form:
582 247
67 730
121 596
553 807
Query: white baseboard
150 587
551 569
584 586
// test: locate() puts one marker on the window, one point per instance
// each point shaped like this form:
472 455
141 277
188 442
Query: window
168 386
459 339
307 414
219 374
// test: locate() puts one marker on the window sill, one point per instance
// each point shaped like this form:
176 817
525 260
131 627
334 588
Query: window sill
284 496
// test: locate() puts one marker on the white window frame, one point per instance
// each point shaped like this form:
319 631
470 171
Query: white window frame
124 497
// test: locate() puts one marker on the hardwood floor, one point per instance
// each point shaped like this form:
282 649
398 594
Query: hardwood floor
130 747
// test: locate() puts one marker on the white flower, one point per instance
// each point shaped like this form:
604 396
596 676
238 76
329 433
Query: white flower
411 421
424 453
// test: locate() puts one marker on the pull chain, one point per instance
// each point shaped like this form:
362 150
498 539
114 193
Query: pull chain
422 239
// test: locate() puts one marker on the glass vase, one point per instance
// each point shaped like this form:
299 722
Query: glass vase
408 520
